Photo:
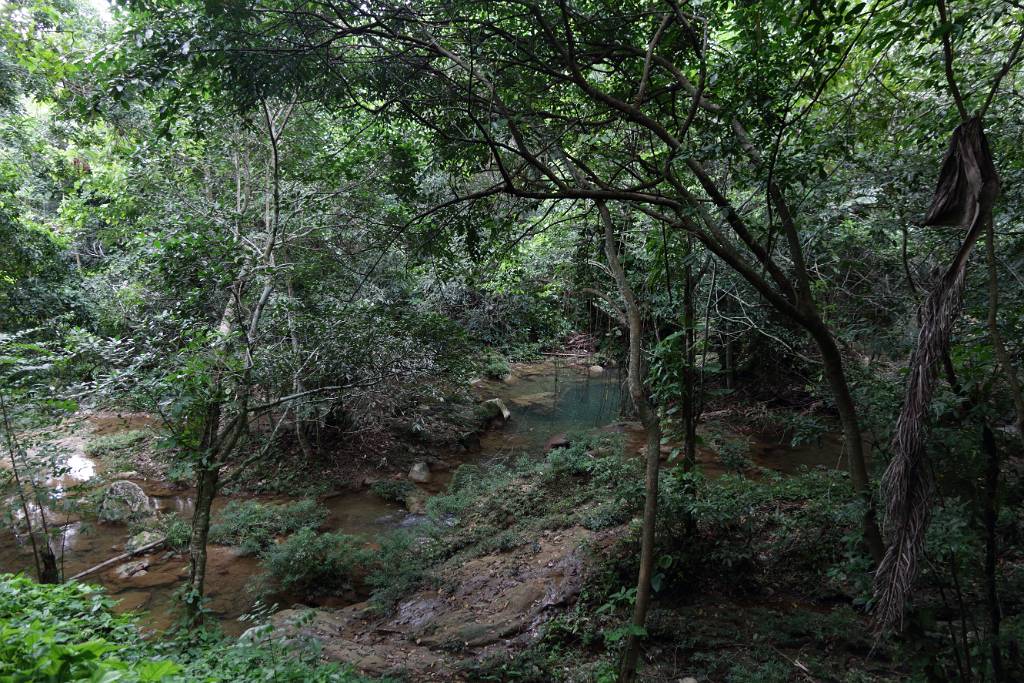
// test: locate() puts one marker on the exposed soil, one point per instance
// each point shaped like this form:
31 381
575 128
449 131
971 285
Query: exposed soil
491 605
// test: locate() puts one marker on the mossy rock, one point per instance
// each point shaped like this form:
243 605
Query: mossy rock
123 501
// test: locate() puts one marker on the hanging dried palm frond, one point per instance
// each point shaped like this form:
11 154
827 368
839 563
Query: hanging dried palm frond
967 188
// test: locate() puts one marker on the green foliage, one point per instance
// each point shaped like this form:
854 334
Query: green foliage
495 366
105 446
774 671
176 530
397 567
732 451
133 215
734 531
116 450
311 563
393 490
252 526
66 632
513 314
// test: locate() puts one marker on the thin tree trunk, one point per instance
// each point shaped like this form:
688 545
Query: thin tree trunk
1012 382
298 386
832 361
991 550
992 465
652 426
206 491
689 376
42 553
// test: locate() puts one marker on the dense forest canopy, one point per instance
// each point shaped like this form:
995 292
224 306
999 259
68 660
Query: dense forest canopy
514 339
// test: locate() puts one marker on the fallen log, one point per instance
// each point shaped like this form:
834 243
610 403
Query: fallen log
572 355
118 558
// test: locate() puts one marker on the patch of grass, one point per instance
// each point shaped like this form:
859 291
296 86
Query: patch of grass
177 530
104 445
253 526
505 506
180 472
116 449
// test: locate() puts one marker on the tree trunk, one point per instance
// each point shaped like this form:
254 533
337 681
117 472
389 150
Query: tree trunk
49 573
298 386
991 550
206 491
832 361
649 418
690 375
992 465
42 553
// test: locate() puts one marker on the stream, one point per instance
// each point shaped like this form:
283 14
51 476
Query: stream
549 401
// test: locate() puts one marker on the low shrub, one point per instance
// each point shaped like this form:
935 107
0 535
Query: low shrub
311 563
398 567
253 526
495 366
177 531
66 632
393 490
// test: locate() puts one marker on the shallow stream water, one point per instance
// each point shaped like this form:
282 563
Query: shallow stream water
549 401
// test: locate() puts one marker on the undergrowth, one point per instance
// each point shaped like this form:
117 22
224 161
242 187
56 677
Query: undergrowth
67 632
252 526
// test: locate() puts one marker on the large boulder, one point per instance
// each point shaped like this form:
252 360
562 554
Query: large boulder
494 411
123 501
420 473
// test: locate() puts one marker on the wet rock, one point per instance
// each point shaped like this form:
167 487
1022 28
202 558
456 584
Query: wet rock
416 502
141 539
127 474
495 410
557 441
412 520
156 576
437 465
595 370
130 569
123 501
489 605
420 473
469 441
